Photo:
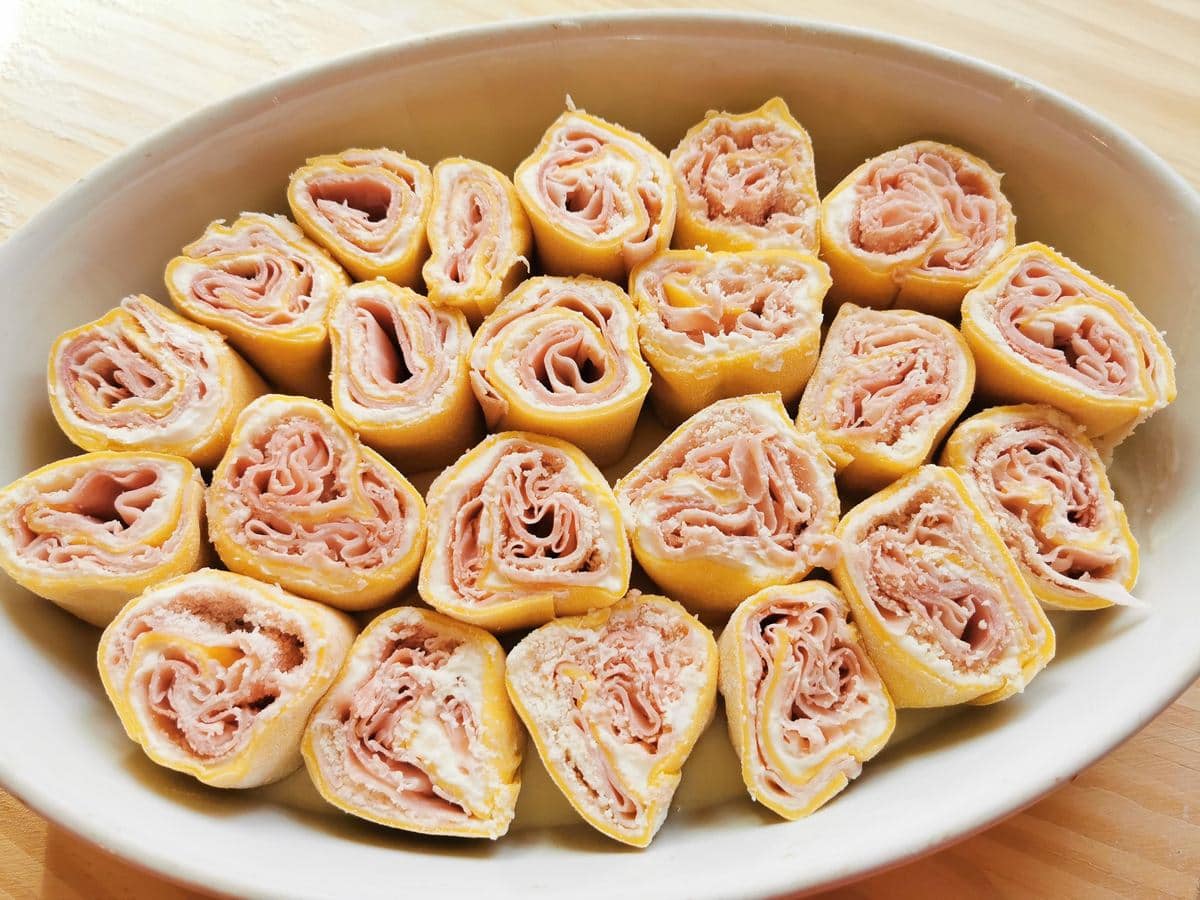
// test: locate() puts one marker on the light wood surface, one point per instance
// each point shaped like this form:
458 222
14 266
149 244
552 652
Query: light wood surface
79 82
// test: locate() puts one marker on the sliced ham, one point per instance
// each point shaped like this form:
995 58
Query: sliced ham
615 701
1044 488
298 501
940 602
369 209
214 674
600 198
523 527
560 357
417 732
747 181
887 388
736 499
805 705
91 532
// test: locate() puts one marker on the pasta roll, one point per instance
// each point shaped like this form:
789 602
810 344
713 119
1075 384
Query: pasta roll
1045 330
479 238
560 357
143 378
299 502
804 703
736 499
1043 487
915 227
942 606
92 532
888 386
400 374
267 288
615 701
715 325
523 528
600 198
747 182
214 674
369 208
417 732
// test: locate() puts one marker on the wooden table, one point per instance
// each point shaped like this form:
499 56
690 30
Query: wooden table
79 83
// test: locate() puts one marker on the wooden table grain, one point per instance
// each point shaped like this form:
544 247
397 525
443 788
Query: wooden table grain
79 82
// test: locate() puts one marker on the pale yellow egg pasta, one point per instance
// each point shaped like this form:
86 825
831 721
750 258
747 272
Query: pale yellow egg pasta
715 325
92 532
523 528
142 377
734 500
1043 486
480 241
888 386
1045 330
747 181
942 607
417 732
267 288
916 227
214 674
615 701
369 208
299 502
804 703
400 374
560 357
600 198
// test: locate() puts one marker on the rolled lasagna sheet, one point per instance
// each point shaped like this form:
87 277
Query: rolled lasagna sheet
915 227
615 701
417 732
369 208
1042 484
600 198
716 325
888 386
736 499
400 374
943 608
144 378
214 674
480 241
560 357
299 502
747 182
804 703
523 528
1045 330
92 532
267 288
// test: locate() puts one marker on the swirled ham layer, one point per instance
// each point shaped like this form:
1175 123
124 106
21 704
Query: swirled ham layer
751 176
729 301
142 374
601 183
736 482
103 514
608 697
1046 490
260 271
815 699
558 343
934 203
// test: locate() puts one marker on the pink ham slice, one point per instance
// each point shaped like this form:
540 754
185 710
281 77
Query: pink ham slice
908 195
287 478
363 209
1035 318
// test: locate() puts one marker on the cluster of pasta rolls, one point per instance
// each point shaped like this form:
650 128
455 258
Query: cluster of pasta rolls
822 502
